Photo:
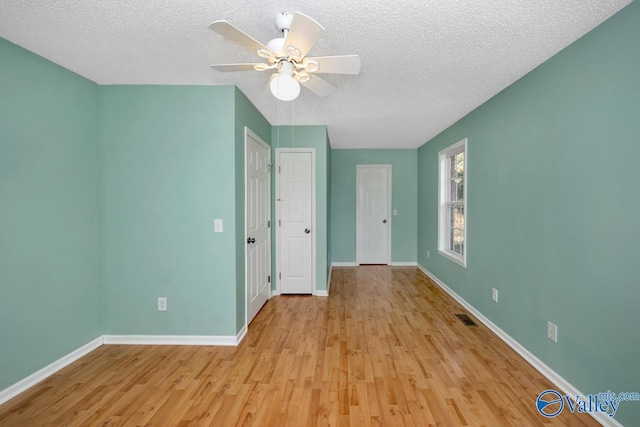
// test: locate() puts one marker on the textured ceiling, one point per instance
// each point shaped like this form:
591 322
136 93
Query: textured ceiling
425 63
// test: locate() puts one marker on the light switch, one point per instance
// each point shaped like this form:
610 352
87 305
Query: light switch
395 212
217 225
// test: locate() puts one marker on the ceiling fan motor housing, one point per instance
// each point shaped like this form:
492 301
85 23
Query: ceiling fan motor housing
276 46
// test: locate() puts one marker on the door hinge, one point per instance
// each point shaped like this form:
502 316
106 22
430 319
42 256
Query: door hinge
279 223
269 224
268 279
280 276
279 170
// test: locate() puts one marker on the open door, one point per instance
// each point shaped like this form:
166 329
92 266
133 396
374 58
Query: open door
257 223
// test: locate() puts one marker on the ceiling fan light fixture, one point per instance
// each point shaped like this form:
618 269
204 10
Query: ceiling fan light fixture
302 77
261 67
283 86
264 53
311 66
294 52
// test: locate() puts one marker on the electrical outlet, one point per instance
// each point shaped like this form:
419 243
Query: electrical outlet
162 304
494 294
552 332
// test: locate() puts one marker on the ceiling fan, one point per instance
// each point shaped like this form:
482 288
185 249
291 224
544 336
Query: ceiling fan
287 56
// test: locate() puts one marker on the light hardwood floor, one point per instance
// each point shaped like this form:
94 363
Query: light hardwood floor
383 349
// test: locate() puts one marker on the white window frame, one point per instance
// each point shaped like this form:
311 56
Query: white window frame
443 202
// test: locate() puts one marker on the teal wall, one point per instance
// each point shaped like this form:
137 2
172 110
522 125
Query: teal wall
108 195
49 213
404 192
168 165
246 114
329 203
553 210
315 137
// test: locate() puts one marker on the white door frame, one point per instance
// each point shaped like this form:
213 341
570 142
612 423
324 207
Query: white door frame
249 133
358 250
313 214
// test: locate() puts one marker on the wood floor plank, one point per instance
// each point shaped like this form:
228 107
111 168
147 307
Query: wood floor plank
384 349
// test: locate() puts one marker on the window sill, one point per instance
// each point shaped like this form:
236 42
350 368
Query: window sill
454 257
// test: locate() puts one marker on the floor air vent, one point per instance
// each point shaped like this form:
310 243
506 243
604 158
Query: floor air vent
466 320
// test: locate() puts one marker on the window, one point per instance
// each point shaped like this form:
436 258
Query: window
453 195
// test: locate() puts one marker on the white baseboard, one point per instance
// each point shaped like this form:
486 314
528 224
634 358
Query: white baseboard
223 340
563 385
323 292
240 335
33 379
329 278
275 293
393 264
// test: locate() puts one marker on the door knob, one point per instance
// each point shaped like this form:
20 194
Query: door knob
384 221
251 240
307 231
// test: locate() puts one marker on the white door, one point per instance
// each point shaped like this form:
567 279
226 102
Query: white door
373 222
258 214
296 205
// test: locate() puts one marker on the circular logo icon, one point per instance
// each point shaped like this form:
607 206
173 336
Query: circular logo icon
549 403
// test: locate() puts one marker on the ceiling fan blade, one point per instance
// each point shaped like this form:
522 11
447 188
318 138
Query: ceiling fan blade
318 86
233 67
303 34
227 30
344 64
